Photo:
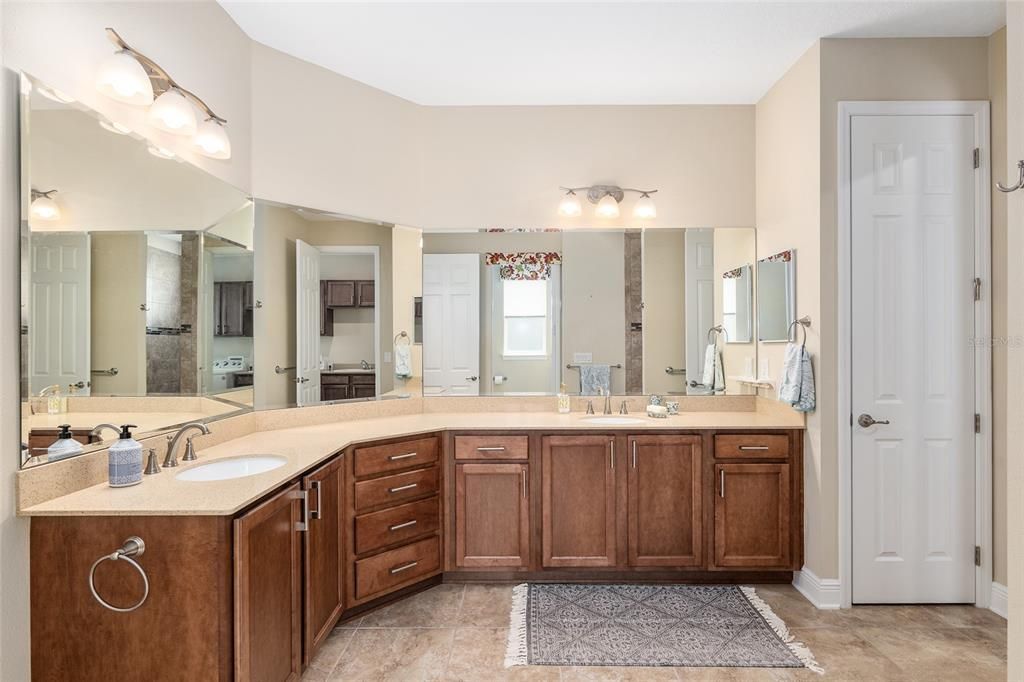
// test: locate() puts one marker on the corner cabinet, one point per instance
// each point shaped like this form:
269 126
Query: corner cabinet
324 554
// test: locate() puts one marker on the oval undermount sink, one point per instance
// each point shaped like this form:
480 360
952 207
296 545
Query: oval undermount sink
233 467
613 421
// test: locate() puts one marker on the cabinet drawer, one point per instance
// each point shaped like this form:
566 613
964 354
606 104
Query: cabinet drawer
752 445
364 379
329 378
492 447
391 569
380 459
395 489
394 525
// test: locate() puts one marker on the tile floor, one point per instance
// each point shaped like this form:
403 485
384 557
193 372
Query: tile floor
457 632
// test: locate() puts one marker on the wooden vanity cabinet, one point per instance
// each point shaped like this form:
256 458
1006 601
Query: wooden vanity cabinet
268 589
324 554
752 516
579 501
492 515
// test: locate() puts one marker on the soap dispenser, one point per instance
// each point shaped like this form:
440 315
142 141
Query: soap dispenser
64 446
124 460
564 404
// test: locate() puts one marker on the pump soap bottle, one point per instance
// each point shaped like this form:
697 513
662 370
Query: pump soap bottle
564 404
124 460
64 446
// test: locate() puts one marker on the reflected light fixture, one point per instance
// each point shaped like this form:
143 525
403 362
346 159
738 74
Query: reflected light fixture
115 128
172 113
54 95
132 77
159 152
43 207
607 199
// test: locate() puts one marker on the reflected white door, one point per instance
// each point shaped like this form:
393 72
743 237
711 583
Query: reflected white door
913 364
699 278
451 324
59 334
307 324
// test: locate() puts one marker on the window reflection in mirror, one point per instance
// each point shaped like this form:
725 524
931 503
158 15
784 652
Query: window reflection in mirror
114 279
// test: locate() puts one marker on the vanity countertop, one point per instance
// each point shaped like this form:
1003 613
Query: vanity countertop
304 447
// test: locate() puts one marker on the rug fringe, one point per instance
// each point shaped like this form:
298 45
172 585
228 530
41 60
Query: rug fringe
799 649
515 651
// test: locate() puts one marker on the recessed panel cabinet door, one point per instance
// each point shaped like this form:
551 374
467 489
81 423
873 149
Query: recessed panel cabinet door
752 514
324 567
579 525
268 590
492 515
664 481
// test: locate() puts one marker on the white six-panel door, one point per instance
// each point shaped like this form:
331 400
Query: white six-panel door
451 324
699 280
307 324
912 265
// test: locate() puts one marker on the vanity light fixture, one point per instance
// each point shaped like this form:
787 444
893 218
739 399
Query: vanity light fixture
131 77
43 207
607 199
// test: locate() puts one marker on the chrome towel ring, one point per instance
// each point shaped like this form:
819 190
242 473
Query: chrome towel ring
804 322
1020 180
132 547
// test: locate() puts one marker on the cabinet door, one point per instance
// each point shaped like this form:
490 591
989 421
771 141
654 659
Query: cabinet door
578 503
334 392
248 301
326 314
492 515
752 516
268 589
365 294
324 567
232 308
664 482
218 314
341 293
363 391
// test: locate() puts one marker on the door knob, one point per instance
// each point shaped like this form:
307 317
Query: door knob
473 378
867 420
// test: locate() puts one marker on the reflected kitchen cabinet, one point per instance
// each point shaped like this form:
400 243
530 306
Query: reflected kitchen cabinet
231 316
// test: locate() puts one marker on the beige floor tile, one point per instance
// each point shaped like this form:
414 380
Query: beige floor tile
436 607
401 654
845 655
479 654
331 650
486 606
968 616
926 653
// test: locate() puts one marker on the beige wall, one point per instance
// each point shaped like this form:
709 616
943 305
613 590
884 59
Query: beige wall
1014 254
664 310
997 94
788 201
117 324
408 284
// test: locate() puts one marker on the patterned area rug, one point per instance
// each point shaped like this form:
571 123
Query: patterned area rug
649 625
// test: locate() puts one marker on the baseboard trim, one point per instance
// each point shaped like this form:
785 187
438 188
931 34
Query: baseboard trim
822 592
999 601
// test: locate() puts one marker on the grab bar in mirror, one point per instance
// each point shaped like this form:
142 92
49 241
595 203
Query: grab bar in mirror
283 370
112 372
673 371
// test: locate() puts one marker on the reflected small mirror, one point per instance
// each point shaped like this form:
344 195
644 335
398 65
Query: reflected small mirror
776 296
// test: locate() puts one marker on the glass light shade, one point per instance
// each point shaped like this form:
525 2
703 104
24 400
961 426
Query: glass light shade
644 209
570 206
212 140
173 113
607 207
122 78
115 128
160 152
54 95
44 208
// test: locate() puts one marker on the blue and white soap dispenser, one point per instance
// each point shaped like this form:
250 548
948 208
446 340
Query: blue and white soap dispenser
64 446
124 460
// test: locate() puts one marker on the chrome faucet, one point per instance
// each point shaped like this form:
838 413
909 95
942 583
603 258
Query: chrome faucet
607 399
622 408
170 460
98 429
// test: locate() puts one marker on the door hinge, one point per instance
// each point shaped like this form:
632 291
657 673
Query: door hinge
976 157
977 423
977 288
977 555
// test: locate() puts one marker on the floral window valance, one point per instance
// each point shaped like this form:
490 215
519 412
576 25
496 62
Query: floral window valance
531 266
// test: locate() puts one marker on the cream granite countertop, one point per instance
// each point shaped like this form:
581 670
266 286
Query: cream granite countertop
304 447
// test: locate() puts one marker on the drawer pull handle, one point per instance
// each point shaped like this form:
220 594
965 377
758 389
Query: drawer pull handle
406 567
403 487
407 455
753 447
496 448
407 524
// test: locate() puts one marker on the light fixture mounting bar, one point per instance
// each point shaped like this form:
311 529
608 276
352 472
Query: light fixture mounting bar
161 80
597 192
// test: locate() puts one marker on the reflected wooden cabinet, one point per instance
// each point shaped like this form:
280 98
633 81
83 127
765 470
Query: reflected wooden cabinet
664 481
340 294
268 589
753 512
578 505
492 515
324 554
232 309
365 294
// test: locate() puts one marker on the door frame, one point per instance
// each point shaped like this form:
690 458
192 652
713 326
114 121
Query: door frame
375 252
979 111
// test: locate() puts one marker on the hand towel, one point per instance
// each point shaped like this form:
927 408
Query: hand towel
797 384
714 371
719 385
594 377
806 403
403 360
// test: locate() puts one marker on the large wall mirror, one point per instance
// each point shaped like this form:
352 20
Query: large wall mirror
522 312
339 301
776 296
137 280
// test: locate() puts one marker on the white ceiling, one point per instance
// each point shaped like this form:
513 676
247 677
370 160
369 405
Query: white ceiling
507 53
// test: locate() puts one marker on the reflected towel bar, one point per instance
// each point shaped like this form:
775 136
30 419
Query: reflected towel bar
283 370
570 366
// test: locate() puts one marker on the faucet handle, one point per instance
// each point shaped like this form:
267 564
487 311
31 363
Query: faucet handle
622 408
590 407
151 465
190 452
